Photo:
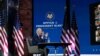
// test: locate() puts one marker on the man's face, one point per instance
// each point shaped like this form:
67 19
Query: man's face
39 32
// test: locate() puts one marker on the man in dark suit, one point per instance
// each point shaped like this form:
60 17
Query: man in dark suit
39 37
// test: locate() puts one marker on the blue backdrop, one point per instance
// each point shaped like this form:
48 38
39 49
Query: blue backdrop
56 7
41 10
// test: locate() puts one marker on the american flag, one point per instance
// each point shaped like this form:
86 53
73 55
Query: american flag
68 35
65 38
3 36
74 32
18 36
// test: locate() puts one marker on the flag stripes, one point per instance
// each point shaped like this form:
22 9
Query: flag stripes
3 41
65 39
71 40
19 41
77 51
69 36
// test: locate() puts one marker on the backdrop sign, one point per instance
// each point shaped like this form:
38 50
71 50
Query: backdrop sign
49 15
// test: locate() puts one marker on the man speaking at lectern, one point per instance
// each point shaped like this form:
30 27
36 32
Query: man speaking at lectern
39 37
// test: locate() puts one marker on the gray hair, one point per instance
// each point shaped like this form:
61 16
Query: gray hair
38 29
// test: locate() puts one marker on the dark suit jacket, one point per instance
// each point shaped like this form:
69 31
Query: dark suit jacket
36 40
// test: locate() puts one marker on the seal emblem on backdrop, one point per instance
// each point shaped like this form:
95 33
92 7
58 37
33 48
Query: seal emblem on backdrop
50 15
